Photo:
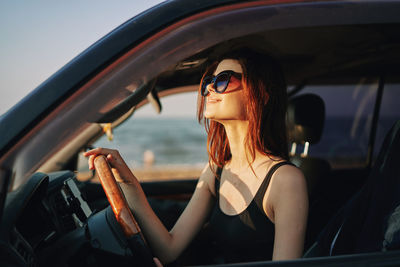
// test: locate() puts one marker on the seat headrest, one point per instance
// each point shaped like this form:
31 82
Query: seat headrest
305 118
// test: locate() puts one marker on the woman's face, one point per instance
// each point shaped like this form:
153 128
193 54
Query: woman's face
229 105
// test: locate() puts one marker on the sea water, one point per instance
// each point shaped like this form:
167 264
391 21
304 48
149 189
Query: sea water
172 141
183 141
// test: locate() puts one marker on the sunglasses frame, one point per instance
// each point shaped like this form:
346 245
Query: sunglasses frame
230 73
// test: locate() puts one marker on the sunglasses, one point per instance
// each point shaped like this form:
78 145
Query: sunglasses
219 82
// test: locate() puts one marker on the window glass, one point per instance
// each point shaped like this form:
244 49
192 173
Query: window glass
169 145
389 113
348 116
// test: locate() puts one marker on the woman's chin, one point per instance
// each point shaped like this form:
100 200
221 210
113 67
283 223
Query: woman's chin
209 114
212 116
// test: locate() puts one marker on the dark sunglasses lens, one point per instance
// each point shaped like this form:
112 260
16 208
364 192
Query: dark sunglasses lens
206 82
221 82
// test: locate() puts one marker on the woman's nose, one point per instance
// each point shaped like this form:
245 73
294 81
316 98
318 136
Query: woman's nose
210 88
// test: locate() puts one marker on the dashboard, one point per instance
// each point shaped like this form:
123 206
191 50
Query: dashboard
49 221
38 214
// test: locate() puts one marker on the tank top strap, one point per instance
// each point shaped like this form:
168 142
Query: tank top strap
258 198
217 181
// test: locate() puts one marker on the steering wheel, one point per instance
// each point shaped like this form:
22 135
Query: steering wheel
122 213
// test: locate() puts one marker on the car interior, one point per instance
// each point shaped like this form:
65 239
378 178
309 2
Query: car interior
345 81
329 187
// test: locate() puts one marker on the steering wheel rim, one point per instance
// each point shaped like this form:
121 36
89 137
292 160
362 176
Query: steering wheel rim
116 198
122 213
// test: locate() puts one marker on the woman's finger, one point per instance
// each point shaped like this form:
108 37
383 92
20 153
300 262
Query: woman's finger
90 152
91 162
113 160
99 150
113 156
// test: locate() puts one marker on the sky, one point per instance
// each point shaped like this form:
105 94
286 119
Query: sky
39 37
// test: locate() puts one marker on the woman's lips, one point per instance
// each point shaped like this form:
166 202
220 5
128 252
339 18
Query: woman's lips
211 100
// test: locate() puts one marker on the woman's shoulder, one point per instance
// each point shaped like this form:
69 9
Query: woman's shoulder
287 184
278 166
288 179
288 173
208 177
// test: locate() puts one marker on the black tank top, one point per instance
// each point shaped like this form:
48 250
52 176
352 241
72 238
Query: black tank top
249 235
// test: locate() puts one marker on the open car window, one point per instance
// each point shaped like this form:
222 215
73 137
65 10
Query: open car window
170 145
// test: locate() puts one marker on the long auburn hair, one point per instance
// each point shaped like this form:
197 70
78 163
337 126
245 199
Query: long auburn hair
266 103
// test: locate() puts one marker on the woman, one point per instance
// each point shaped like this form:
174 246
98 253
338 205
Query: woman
255 201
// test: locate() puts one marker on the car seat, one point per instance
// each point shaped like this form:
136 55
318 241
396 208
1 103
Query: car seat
305 121
370 221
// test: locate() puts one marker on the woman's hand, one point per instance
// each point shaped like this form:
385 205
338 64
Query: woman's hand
119 168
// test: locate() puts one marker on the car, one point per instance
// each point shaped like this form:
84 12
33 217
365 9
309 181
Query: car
341 60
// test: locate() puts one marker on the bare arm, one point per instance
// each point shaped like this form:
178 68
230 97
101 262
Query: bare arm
289 203
168 245
165 245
